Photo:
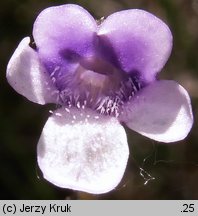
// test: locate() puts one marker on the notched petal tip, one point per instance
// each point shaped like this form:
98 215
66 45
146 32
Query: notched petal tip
161 111
81 150
27 76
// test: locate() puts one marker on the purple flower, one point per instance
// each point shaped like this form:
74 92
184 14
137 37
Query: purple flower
99 75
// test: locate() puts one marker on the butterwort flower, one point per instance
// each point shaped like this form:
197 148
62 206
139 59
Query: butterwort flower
100 75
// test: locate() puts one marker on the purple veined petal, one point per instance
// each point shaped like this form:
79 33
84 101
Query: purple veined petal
26 75
140 41
81 150
63 34
162 111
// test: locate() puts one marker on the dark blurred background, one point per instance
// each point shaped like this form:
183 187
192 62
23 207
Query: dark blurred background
155 170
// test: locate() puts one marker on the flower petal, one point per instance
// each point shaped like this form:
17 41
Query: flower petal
63 34
26 75
81 150
140 41
161 111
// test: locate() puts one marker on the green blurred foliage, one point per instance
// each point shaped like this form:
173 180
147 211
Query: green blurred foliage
155 170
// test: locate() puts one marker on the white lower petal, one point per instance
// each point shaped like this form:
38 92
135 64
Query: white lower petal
161 111
81 150
26 75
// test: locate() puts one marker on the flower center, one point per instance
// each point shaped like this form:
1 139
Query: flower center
99 85
97 76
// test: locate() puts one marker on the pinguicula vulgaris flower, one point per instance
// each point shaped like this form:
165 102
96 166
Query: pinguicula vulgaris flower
101 75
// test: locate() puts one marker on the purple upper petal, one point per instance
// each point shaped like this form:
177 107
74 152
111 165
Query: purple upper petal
63 34
139 40
131 40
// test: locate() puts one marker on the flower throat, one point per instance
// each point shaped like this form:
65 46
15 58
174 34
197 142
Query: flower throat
99 85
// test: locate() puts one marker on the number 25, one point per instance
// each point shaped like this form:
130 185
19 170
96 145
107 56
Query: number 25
188 208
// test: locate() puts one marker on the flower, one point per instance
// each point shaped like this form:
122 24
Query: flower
101 76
